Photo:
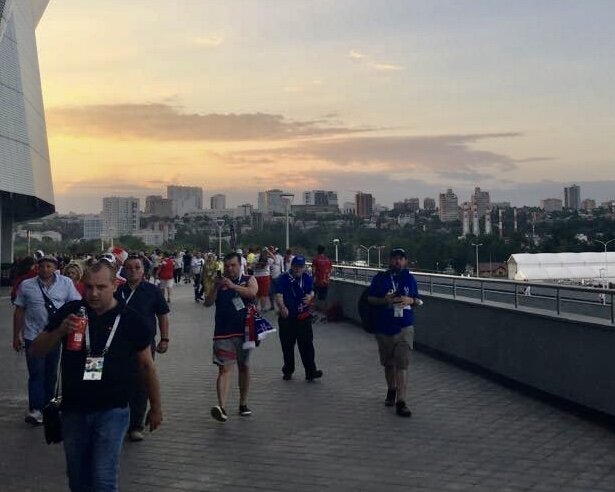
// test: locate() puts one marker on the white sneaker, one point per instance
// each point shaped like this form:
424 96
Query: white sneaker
34 417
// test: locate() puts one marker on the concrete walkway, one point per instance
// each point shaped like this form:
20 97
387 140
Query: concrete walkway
467 432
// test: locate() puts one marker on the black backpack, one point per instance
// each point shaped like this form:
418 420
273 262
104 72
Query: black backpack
367 312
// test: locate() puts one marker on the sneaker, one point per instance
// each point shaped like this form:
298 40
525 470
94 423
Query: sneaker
390 399
135 435
34 417
244 411
219 414
287 377
402 409
317 374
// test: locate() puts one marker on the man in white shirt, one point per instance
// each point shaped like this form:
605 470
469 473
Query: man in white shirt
277 268
197 269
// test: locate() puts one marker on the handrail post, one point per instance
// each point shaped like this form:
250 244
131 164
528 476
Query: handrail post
558 300
430 284
454 288
612 308
516 296
482 291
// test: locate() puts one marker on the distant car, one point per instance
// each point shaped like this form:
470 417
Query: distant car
360 263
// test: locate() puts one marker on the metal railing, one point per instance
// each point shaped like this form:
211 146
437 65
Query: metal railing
555 299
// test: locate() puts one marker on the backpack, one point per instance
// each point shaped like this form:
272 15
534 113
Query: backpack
367 312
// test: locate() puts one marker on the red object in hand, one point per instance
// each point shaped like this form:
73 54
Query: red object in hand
76 338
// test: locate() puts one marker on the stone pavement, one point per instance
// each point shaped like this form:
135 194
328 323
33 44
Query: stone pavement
467 432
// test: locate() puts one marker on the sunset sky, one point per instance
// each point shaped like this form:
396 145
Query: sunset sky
398 98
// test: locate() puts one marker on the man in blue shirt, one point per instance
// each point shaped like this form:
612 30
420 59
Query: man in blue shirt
394 293
147 300
294 295
36 299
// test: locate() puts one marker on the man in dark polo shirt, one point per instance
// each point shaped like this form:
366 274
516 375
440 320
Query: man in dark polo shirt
232 294
147 300
98 377
394 293
294 295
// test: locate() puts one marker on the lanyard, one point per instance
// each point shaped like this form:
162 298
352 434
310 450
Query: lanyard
130 296
393 283
88 347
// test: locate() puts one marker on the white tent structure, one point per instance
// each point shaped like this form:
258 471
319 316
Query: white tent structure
562 266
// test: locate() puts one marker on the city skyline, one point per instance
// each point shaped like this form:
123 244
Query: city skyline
401 101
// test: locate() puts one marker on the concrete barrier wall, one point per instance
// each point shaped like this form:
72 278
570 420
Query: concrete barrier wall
569 359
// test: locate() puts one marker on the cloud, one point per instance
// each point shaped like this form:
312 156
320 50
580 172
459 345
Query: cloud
208 41
355 55
168 123
374 65
431 154
386 67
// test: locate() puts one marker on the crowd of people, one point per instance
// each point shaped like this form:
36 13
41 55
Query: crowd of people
99 322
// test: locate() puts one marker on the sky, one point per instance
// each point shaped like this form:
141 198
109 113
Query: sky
400 98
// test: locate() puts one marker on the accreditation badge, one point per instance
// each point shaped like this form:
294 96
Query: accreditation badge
238 303
93 368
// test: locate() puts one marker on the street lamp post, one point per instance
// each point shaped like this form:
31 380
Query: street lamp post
379 248
606 256
477 246
336 242
220 223
367 250
288 198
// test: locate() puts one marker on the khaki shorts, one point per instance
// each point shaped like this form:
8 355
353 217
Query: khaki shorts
229 351
394 350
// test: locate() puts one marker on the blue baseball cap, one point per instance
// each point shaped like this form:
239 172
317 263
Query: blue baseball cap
298 260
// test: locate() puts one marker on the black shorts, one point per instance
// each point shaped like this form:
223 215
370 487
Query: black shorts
321 292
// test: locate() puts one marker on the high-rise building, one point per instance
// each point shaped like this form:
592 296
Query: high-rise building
551 205
186 199
480 201
364 204
271 202
348 208
26 190
161 207
410 205
321 198
449 206
588 204
92 227
218 202
572 197
120 216
429 204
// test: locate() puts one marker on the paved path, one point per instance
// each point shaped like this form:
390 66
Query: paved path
467 432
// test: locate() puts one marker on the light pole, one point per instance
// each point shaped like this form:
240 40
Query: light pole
379 248
606 256
220 223
288 198
367 250
336 242
477 246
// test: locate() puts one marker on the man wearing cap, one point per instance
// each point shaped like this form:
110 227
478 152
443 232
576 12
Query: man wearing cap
394 293
294 295
37 298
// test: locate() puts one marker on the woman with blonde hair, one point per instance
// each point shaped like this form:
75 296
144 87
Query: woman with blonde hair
75 273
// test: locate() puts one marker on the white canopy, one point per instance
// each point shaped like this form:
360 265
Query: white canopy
564 266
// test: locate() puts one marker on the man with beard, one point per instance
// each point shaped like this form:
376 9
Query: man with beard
394 293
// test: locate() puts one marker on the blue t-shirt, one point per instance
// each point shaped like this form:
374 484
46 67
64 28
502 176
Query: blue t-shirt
402 283
294 290
147 300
